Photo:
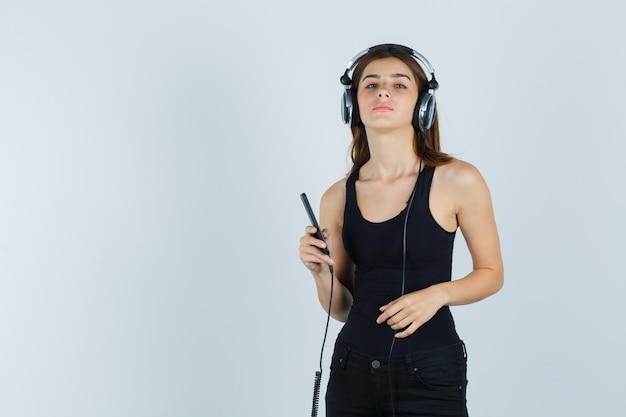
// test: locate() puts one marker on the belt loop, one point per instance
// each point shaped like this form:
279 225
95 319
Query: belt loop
411 367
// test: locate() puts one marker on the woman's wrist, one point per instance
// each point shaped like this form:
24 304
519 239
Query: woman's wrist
441 293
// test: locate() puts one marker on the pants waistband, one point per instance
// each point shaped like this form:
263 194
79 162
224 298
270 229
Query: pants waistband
410 361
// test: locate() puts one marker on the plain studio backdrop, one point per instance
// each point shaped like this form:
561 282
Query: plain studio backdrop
152 154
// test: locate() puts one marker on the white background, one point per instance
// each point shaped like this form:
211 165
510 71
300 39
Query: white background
151 159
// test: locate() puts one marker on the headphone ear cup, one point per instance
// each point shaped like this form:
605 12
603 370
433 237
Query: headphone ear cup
355 117
346 106
425 111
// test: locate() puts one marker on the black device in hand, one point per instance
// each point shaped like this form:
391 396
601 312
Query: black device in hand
314 222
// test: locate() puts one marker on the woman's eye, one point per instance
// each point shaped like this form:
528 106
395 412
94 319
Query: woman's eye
371 86
400 86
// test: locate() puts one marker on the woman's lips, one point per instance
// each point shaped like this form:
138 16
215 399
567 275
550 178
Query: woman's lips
383 107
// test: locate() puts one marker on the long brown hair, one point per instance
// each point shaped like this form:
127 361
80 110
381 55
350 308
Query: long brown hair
431 148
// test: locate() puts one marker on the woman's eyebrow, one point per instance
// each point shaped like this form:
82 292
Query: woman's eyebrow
371 76
396 75
399 75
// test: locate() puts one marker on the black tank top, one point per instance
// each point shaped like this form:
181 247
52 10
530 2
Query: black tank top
376 250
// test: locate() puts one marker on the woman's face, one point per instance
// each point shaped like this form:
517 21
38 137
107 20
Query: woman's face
387 94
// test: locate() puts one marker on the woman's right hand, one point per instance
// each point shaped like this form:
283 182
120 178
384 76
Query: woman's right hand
311 250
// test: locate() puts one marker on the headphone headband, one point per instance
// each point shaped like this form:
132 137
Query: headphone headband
426 107
418 57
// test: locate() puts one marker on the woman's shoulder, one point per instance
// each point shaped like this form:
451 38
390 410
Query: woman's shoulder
463 183
336 193
459 173
334 199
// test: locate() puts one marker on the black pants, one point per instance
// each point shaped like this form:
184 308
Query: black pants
427 384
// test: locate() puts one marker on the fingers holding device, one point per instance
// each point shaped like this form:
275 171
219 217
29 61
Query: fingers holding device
318 232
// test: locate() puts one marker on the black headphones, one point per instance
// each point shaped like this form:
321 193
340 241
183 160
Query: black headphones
425 108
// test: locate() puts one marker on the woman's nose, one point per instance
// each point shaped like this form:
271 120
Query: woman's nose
383 93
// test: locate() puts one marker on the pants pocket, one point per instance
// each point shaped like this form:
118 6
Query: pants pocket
448 374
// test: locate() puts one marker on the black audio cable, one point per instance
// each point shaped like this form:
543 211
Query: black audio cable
318 374
406 220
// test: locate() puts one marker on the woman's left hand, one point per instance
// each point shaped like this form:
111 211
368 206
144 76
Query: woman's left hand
411 311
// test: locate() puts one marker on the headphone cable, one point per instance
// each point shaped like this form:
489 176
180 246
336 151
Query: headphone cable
404 232
318 374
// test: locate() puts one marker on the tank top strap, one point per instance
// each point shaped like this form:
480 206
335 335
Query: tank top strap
351 190
424 182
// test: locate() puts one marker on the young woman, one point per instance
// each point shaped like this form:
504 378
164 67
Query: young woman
390 226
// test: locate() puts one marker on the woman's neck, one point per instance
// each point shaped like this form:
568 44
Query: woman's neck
391 155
